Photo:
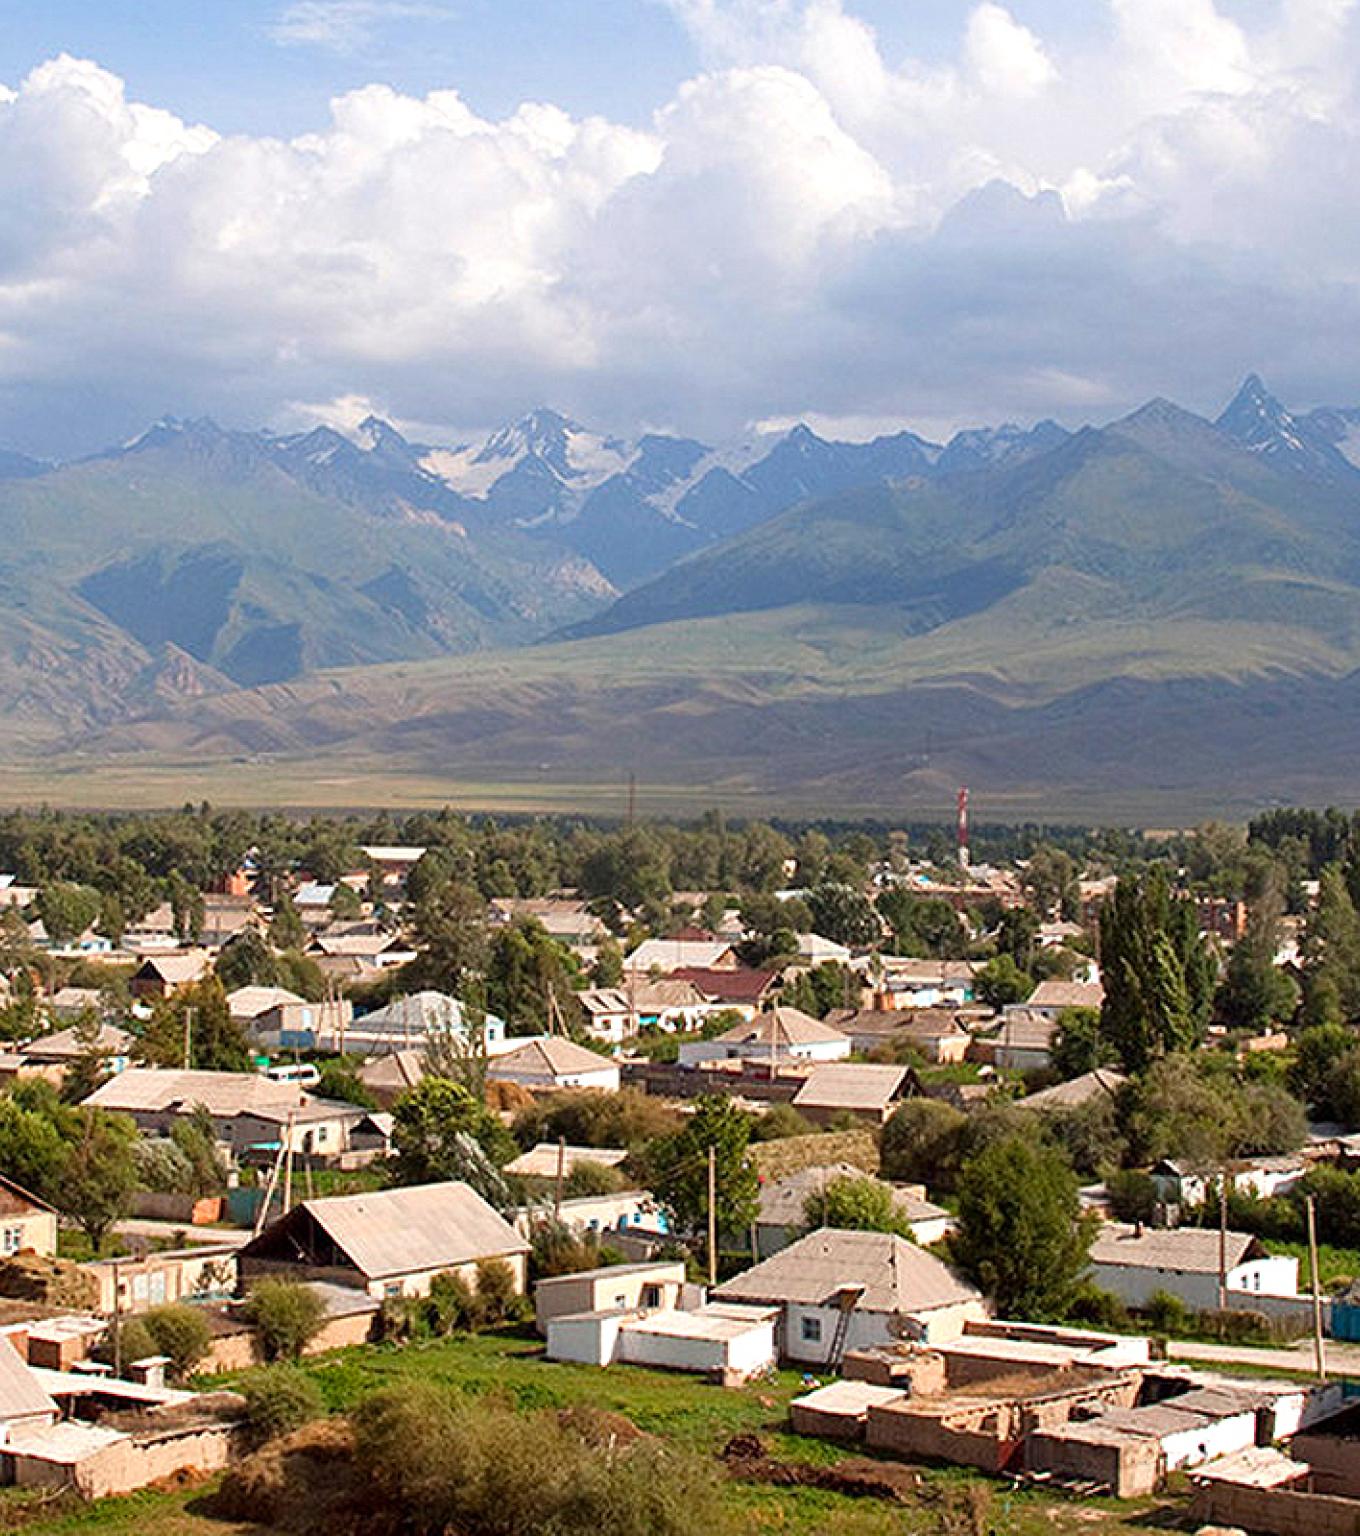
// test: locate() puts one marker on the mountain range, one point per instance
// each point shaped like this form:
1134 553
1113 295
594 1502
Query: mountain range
1164 607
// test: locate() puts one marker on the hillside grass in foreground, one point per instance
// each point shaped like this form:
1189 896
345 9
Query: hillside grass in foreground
681 1409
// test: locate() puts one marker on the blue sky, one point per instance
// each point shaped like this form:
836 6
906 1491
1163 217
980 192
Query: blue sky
716 213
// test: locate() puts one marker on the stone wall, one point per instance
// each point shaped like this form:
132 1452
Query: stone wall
1275 1511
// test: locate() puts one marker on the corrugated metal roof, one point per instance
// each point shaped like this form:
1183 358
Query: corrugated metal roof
1102 1083
897 1276
406 1231
549 1057
850 1085
541 1161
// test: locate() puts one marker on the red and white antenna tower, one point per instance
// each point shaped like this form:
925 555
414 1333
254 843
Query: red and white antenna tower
963 826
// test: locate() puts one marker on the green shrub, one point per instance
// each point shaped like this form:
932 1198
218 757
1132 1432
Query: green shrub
183 1334
1168 1314
431 1461
279 1399
497 1298
134 1342
1098 1308
286 1317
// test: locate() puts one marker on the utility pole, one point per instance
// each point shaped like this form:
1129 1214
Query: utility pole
117 1324
288 1167
712 1216
188 1035
1223 1239
1319 1352
561 1176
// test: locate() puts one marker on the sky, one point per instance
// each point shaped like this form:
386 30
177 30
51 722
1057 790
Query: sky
691 215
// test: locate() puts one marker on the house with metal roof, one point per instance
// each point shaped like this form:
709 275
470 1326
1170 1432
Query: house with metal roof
1135 1262
247 1109
936 1033
866 1090
779 1035
161 976
856 1290
390 1242
550 1062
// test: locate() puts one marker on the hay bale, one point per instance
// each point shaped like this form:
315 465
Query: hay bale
300 1482
51 1281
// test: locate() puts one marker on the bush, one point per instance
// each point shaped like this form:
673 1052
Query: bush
1098 1309
134 1342
588 1178
1133 1195
279 1399
779 1122
183 1334
1168 1314
921 1143
430 1460
498 1298
286 1317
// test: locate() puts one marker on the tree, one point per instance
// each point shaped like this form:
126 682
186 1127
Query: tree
196 1142
286 1317
34 1152
247 961
1021 1235
608 968
1017 935
844 915
921 1143
1001 982
1316 1051
856 1203
286 928
345 904
100 1173
526 972
826 986
441 1132
921 925
1331 947
217 1042
1342 1091
1050 881
187 908
1255 994
67 909
91 1066
1079 1045
449 922
1159 976
680 1170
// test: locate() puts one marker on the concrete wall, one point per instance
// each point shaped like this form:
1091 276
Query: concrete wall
594 1291
35 1231
1193 1447
587 1340
132 1463
1277 1276
1129 1467
1334 1460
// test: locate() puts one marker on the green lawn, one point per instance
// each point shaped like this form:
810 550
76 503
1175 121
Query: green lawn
683 1409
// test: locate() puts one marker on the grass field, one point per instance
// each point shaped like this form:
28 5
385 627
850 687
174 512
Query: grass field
681 1409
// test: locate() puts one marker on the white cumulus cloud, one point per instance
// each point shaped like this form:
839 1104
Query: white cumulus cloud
1024 226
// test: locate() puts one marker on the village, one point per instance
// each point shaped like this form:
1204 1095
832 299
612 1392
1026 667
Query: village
1039 1160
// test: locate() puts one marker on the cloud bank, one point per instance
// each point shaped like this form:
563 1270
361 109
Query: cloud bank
806 226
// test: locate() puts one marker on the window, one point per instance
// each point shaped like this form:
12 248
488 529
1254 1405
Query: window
812 1330
392 1290
11 1240
651 1295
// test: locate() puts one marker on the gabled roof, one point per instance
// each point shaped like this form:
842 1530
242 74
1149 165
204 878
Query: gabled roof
644 997
1104 1082
14 1198
671 954
148 1090
550 1056
740 985
896 1275
397 1069
1191 1250
851 1085
401 1231
1067 994
899 1023
783 1202
422 1013
251 1002
1022 1030
66 1044
781 1027
176 968
21 1394
542 1160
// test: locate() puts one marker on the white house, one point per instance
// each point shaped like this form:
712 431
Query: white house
617 1014
782 1034
613 1288
785 1204
548 1061
415 1021
1135 1263
725 1342
908 983
856 1290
